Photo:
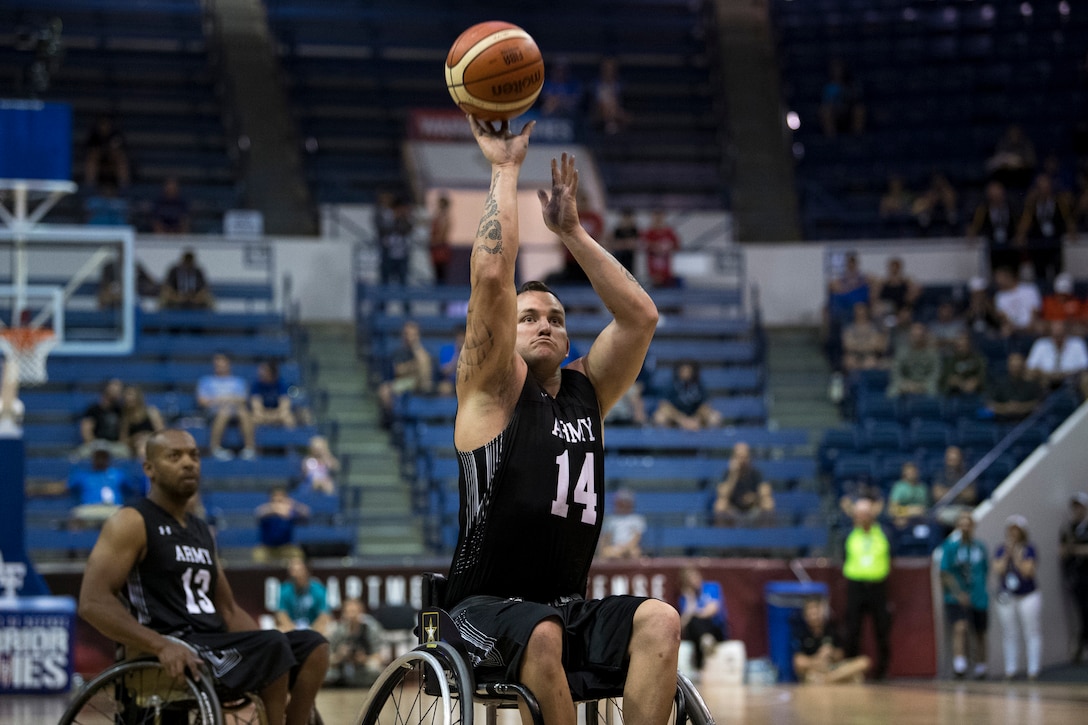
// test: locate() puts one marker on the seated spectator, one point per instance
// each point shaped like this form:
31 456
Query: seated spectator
1046 223
1015 395
995 220
660 242
624 241
686 404
621 537
105 156
946 328
357 652
909 497
702 615
185 286
100 425
170 212
950 474
561 94
303 602
222 396
630 409
895 291
818 656
964 371
608 111
106 207
1064 305
448 355
319 468
897 201
109 285
138 419
412 370
1013 161
12 409
1017 301
842 109
899 329
269 402
864 342
937 208
916 368
276 520
982 317
1055 358
743 494
99 489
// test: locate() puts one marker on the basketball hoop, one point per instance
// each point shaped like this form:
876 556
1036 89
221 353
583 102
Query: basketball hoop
27 348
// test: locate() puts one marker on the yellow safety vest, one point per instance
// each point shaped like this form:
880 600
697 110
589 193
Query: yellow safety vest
868 555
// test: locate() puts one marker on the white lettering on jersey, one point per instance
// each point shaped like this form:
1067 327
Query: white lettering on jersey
192 555
580 431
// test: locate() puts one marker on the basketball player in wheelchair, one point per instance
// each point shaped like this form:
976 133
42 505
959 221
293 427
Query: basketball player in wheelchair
162 559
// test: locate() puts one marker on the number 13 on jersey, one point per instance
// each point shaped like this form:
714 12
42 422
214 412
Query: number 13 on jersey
585 491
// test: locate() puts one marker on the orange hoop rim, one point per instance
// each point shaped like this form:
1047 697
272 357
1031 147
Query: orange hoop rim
26 338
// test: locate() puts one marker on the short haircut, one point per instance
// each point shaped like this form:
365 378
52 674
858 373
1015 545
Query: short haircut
537 286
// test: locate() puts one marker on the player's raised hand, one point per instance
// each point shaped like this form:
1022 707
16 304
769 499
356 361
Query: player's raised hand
560 209
501 146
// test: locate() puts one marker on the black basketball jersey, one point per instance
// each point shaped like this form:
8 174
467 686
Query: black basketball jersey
532 499
173 589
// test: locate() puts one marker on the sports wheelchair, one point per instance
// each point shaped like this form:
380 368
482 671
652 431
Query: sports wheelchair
427 685
138 691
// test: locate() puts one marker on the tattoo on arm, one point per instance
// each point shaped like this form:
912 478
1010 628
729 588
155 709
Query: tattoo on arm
490 226
478 343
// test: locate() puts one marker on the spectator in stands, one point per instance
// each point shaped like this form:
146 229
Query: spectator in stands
185 286
222 396
895 290
854 491
303 602
624 240
170 212
851 283
1014 396
109 285
105 156
1064 305
703 618
561 94
629 409
99 489
356 647
621 537
866 564
899 328
981 317
1017 301
593 222
946 328
608 112
1019 601
319 468
269 401
963 372
1046 223
412 370
1074 553
909 497
842 109
864 342
101 422
897 202
448 355
439 243
743 494
11 408
396 244
138 419
818 655
276 520
661 243
945 479
965 571
937 208
995 220
847 287
1013 161
1056 358
106 207
686 403
916 368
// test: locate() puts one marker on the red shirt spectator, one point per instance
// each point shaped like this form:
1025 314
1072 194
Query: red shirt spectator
661 242
1063 305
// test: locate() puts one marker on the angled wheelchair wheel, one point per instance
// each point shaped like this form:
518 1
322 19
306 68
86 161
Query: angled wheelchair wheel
688 708
431 685
140 692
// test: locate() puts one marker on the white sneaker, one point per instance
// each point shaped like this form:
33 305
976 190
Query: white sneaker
222 454
248 454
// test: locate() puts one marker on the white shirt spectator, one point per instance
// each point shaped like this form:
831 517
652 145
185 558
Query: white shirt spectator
1020 304
1045 356
623 528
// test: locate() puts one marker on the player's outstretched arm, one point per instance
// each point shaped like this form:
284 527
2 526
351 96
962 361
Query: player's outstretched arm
616 356
236 618
118 549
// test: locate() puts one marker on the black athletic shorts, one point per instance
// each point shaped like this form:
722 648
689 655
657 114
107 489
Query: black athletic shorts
978 619
598 631
248 661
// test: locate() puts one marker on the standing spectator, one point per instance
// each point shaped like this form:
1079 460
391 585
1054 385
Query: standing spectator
964 371
440 247
1046 223
686 404
1074 550
1057 357
965 572
138 419
842 109
743 493
396 244
222 395
269 401
864 342
917 367
1013 161
319 468
945 480
703 619
356 647
1017 301
866 565
1065 305
982 317
946 328
995 221
303 603
1016 395
101 422
895 290
608 111
661 242
1019 602
185 286
448 355
561 94
624 240
276 520
621 537
937 208
170 212
818 655
412 370
105 156
909 497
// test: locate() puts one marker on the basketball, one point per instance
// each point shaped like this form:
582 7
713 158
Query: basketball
494 71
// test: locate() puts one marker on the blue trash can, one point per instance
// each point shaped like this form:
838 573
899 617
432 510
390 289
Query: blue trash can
784 602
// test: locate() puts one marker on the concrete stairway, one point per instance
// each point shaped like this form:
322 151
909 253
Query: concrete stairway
387 526
797 380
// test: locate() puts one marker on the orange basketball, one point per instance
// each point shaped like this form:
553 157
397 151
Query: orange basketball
494 71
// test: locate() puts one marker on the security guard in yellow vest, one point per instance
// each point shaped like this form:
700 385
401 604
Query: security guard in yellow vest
866 564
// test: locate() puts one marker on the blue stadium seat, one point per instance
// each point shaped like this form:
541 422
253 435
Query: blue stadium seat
881 435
